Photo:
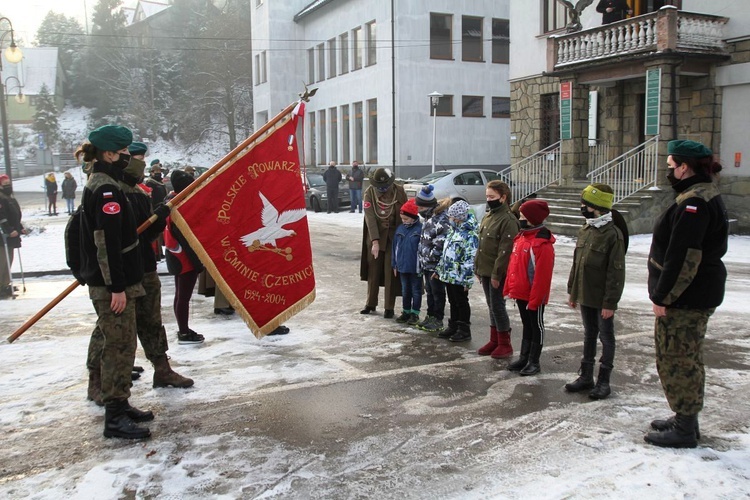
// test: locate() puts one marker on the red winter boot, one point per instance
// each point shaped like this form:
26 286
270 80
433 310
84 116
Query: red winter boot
504 349
491 345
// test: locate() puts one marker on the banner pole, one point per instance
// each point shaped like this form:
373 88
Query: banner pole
178 198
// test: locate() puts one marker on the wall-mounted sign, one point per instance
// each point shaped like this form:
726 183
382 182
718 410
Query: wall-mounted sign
593 115
566 110
653 100
737 159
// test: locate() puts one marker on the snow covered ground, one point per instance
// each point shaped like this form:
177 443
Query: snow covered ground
352 406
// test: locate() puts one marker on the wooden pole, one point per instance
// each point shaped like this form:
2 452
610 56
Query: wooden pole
174 201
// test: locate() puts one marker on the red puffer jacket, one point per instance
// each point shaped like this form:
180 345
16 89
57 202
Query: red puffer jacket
530 268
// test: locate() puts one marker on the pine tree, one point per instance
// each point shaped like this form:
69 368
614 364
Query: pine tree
45 117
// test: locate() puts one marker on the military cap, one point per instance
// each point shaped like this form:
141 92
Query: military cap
154 162
137 148
111 137
382 178
690 149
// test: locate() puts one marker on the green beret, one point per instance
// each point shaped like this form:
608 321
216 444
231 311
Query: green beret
154 162
137 148
111 137
691 149
598 196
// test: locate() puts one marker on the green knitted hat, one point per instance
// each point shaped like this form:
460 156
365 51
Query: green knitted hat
691 149
598 196
111 137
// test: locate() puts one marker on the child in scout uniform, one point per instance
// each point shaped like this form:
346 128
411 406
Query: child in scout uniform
404 261
596 281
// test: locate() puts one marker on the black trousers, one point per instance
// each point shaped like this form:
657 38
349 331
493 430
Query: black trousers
533 322
459 301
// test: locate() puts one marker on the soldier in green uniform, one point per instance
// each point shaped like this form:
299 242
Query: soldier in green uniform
382 205
111 264
686 280
151 330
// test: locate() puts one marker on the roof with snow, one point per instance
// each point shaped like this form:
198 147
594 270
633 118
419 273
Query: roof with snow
129 15
146 9
38 67
312 7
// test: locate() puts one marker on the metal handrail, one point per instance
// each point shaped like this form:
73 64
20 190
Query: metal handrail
534 172
630 172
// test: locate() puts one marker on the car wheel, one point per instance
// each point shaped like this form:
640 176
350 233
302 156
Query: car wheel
315 204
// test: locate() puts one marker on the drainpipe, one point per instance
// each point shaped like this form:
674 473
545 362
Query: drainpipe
393 84
675 101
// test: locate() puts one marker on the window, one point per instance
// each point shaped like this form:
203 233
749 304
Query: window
358 132
555 16
501 107
468 179
331 58
334 120
323 142
441 36
313 138
472 106
471 39
357 47
444 107
372 131
500 41
550 115
345 134
257 69
370 33
310 65
344 42
321 62
263 73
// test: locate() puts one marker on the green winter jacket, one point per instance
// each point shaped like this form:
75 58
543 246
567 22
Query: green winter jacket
598 273
496 234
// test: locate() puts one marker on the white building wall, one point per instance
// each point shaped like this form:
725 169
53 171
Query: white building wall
461 141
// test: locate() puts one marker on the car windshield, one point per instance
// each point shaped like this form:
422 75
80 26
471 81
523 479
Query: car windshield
427 179
315 180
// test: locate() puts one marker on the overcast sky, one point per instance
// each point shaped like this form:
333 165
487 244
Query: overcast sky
27 15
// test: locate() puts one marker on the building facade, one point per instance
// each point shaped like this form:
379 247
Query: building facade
39 67
374 64
614 95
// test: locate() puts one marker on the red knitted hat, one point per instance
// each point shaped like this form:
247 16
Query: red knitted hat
535 211
410 208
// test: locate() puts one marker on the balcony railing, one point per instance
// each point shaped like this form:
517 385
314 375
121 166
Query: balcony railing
665 30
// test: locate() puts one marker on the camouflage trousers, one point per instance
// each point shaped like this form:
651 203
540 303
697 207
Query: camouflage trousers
117 352
149 326
679 357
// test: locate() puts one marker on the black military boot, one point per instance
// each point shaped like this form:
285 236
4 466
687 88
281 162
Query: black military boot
532 367
681 435
449 330
117 423
523 358
668 424
463 332
601 390
137 415
585 379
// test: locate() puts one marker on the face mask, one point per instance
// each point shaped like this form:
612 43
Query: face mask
123 161
585 212
524 223
7 189
135 168
156 176
493 204
383 189
671 177
425 213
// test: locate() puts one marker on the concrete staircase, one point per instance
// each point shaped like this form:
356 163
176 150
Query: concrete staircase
639 210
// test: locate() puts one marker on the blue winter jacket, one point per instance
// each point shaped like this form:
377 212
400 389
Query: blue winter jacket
456 266
404 251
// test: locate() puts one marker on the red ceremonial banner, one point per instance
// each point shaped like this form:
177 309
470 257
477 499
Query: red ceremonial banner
248 224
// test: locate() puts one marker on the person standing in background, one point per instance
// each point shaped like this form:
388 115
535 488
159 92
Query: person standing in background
356 177
50 185
613 10
11 229
69 186
332 176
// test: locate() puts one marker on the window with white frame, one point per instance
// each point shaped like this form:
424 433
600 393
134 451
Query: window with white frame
371 36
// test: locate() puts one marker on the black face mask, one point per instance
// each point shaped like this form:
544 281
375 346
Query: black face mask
524 223
585 212
493 204
7 189
156 176
671 178
123 161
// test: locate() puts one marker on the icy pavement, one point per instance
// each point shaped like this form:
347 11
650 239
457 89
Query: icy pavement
352 406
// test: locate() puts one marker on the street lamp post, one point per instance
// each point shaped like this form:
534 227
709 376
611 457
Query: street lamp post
13 55
434 101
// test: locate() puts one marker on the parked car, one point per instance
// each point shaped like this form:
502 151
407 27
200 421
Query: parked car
316 198
467 184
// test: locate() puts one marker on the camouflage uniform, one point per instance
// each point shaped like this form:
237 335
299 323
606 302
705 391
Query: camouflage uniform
689 281
111 262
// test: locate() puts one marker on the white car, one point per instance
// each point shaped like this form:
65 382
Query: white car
468 184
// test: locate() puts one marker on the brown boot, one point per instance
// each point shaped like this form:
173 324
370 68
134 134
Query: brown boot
95 387
165 377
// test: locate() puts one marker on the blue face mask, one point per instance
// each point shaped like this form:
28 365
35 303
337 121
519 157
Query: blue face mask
383 189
